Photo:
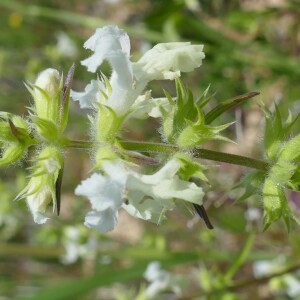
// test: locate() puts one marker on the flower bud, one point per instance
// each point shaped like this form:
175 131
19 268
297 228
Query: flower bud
46 93
41 188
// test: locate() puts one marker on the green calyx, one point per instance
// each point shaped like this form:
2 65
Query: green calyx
107 123
14 137
284 171
276 205
51 103
45 180
185 123
277 132
190 168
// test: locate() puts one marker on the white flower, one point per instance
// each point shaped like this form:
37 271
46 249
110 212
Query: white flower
167 60
65 45
149 196
48 80
104 43
90 95
289 283
106 197
145 106
128 80
160 280
293 285
39 196
76 246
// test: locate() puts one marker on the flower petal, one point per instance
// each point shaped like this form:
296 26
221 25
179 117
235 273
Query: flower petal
104 42
37 203
90 95
104 221
167 60
102 192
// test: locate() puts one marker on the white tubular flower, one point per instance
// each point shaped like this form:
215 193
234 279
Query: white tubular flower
90 95
40 190
104 42
38 197
65 45
106 197
143 196
151 195
113 44
128 80
167 60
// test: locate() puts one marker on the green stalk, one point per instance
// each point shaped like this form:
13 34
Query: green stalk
172 149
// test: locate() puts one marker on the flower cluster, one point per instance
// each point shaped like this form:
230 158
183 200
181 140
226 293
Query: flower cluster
116 180
116 183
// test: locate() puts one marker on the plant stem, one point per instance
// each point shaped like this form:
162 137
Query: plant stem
78 144
239 284
172 149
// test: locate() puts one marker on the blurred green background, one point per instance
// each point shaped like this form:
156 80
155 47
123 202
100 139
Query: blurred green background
250 45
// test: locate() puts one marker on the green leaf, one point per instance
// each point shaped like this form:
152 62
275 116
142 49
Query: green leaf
226 105
252 183
240 259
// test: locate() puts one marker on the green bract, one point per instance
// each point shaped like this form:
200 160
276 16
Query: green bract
51 101
185 123
49 116
276 131
252 183
275 204
107 123
14 137
283 153
42 187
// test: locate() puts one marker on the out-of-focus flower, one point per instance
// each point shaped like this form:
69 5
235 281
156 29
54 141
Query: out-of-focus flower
65 46
77 245
160 280
287 282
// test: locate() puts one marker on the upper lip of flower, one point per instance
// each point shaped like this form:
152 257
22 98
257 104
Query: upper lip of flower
128 80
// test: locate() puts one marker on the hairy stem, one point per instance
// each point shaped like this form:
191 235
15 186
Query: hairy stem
172 149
